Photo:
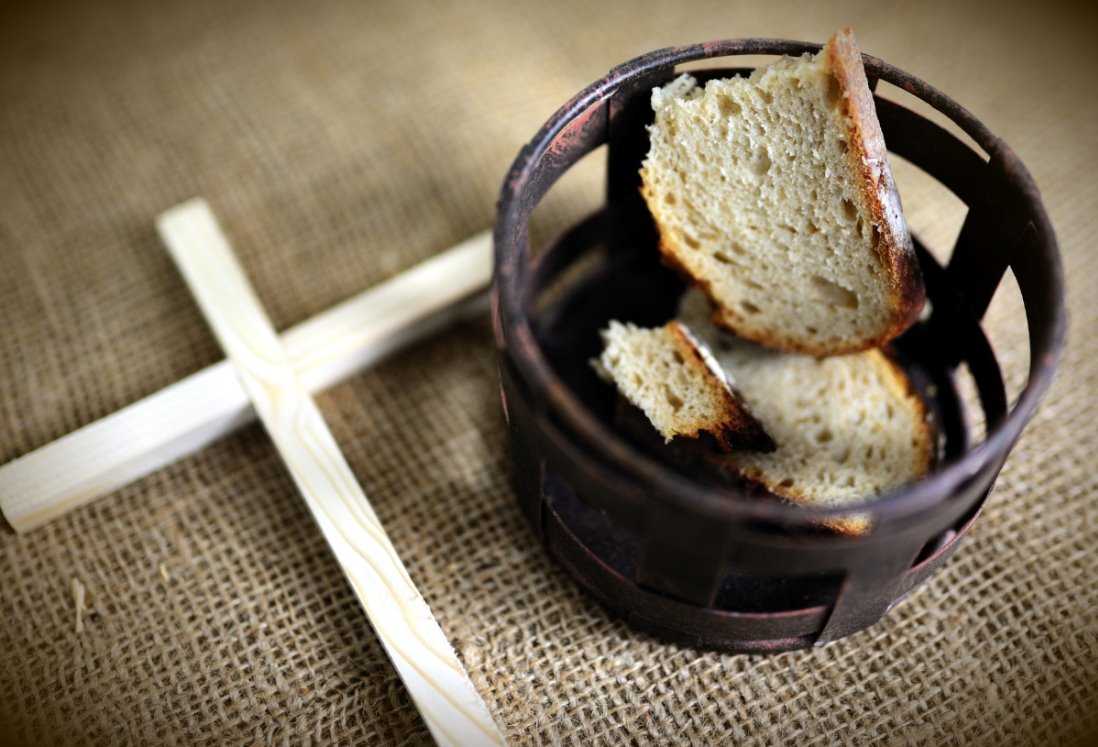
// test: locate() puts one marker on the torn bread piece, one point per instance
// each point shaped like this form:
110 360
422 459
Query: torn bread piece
673 378
774 195
847 428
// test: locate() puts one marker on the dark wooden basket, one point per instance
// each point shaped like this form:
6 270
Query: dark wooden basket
694 561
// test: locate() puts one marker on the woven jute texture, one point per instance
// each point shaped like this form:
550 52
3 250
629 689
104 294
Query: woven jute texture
342 142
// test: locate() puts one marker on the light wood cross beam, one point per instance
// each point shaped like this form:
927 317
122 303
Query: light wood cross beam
110 453
420 651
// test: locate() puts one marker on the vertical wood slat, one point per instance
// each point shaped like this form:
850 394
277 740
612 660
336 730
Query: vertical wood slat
993 232
420 651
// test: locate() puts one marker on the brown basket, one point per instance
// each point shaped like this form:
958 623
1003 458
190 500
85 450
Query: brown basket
710 565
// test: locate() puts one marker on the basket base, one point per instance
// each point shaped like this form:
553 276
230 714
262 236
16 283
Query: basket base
601 557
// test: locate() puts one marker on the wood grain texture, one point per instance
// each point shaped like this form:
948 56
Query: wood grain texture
139 439
423 656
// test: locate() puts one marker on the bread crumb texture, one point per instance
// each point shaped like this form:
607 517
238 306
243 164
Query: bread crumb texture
847 427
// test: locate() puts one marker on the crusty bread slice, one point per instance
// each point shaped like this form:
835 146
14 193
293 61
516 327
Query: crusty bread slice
847 427
674 380
774 195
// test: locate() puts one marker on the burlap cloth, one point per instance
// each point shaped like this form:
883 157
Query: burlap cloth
340 143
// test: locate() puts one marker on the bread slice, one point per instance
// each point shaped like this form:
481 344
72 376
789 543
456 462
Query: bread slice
668 374
847 427
774 195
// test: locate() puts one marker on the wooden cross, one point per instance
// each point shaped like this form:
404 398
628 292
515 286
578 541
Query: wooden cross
271 378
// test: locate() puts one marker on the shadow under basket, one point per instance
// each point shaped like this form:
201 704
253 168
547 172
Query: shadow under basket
709 564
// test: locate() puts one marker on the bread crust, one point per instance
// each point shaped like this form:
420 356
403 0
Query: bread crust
736 428
869 157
